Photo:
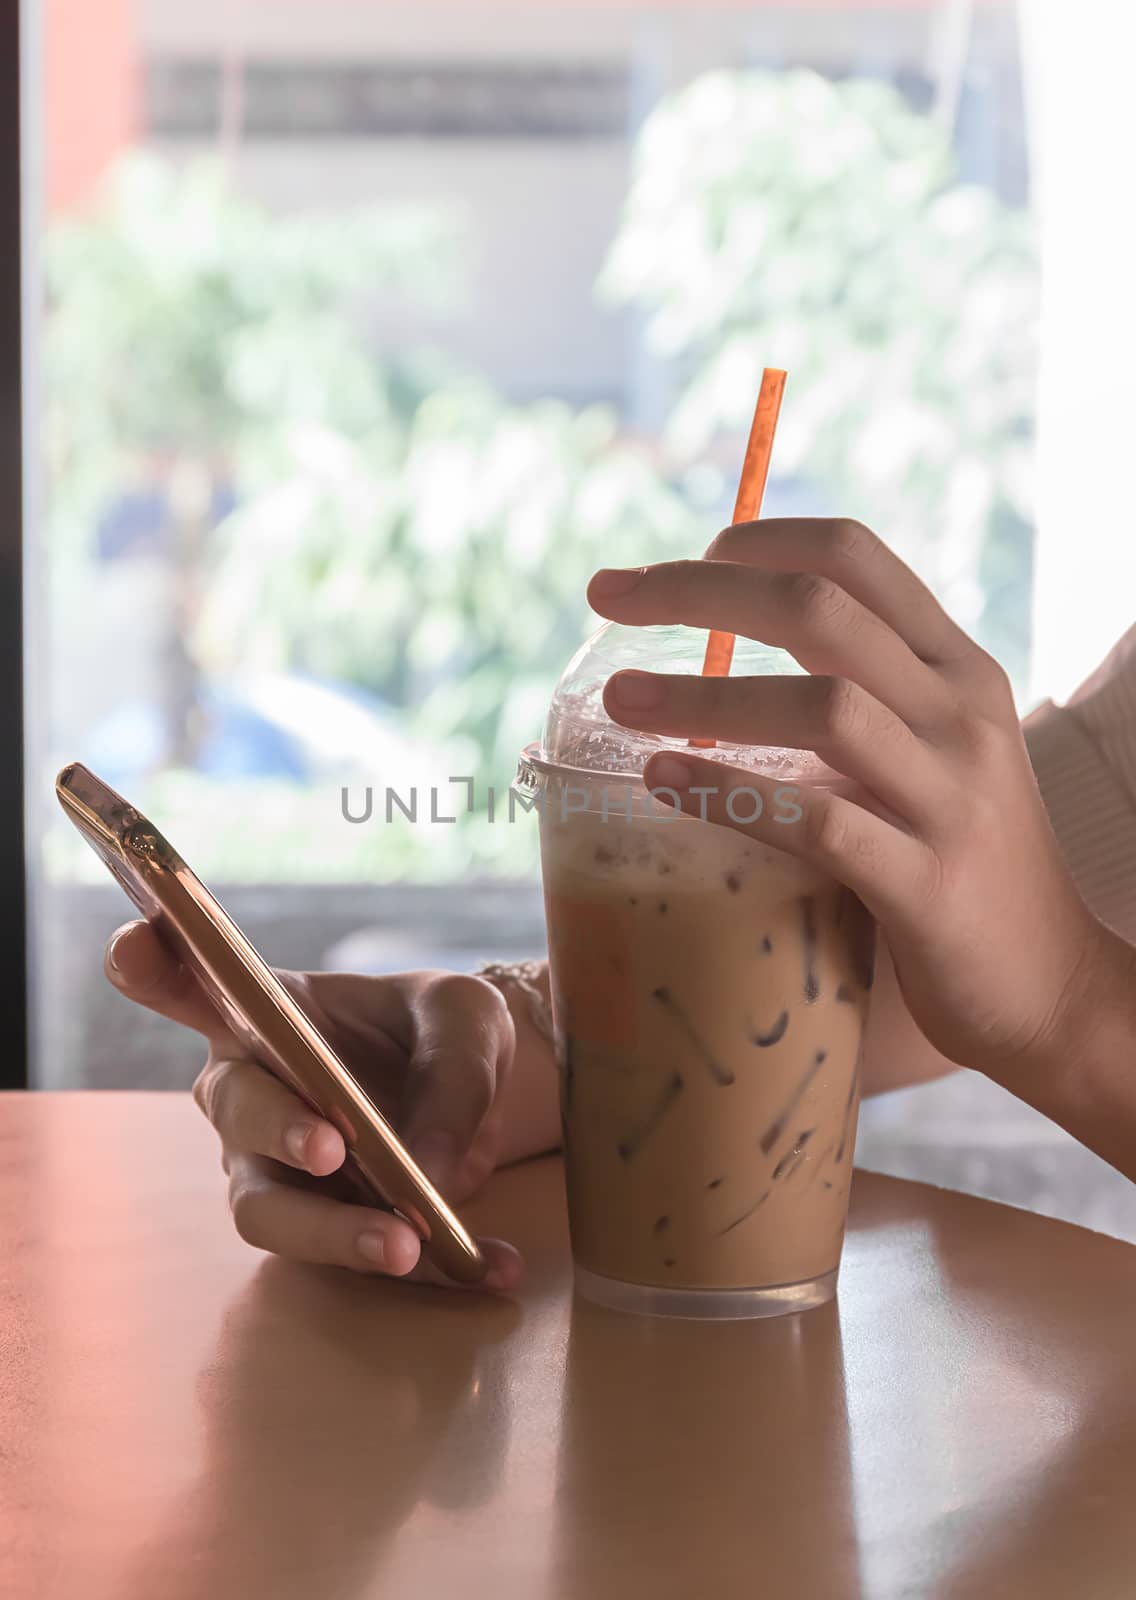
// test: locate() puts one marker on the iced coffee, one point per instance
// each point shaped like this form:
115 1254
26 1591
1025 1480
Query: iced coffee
709 995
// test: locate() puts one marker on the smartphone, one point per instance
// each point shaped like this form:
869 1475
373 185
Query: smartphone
255 1005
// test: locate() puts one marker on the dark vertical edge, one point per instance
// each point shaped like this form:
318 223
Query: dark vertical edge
13 862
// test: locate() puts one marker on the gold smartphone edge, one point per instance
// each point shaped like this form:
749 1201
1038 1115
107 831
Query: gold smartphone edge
85 814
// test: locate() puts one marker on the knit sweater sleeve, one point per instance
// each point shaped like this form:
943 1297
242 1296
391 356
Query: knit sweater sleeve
1084 757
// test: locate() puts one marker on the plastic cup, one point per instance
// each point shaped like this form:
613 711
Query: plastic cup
709 995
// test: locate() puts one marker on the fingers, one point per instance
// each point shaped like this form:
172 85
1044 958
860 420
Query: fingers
365 1015
455 1039
825 628
140 967
461 1050
890 870
306 1226
252 1111
505 1263
863 566
301 1225
846 726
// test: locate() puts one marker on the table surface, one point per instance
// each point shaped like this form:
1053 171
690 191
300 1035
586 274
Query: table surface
185 1418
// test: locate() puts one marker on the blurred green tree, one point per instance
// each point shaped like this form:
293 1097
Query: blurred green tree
397 524
189 335
783 219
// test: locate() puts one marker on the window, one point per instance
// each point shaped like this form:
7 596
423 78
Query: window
368 335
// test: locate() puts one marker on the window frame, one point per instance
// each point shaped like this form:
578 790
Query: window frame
13 861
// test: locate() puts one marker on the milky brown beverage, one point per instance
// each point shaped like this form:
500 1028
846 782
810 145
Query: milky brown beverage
709 996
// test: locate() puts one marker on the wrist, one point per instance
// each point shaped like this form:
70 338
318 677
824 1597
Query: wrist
1097 1006
1083 1074
530 1099
529 980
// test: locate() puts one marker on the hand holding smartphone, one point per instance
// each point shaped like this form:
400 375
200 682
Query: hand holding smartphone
261 1013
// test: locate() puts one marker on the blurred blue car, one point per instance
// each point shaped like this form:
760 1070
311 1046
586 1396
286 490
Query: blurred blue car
260 725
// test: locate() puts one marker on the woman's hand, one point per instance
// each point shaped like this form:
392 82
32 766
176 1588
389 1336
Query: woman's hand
941 830
433 1049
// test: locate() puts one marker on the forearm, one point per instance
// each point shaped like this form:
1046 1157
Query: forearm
1086 1080
896 1054
1089 803
531 1099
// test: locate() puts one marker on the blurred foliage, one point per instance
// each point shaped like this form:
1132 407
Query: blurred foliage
397 526
782 219
186 323
453 585
401 527
267 830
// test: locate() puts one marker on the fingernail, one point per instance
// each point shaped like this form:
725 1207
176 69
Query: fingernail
505 1275
111 961
612 581
373 1247
638 691
296 1141
436 1154
670 772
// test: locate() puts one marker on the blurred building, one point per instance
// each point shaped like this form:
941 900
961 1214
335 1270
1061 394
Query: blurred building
514 120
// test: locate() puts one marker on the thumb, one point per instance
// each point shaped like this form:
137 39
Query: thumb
141 967
462 1050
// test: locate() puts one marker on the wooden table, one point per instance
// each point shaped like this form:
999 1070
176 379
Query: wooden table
185 1419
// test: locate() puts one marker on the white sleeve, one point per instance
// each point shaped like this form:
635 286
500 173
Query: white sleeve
1084 757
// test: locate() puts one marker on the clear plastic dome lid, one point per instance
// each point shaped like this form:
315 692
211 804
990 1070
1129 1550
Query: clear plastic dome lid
579 734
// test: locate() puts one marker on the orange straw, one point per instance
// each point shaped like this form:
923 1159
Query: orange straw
747 506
